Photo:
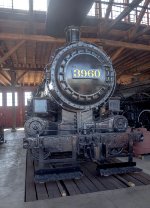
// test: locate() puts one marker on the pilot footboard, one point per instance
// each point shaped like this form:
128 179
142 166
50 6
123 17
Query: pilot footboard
55 174
117 168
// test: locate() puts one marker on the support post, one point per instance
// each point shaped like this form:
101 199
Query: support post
13 83
31 17
130 146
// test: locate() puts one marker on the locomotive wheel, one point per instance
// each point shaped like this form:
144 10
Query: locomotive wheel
35 125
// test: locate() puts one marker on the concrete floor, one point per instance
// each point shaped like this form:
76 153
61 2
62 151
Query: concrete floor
12 175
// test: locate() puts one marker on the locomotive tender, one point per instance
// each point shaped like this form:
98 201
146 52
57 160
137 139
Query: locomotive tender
65 123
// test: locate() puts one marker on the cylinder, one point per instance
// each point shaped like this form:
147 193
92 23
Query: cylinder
72 34
116 123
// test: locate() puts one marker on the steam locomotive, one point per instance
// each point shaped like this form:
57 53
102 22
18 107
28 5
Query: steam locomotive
67 122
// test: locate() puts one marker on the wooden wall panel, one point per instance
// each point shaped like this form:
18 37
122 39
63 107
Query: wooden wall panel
6 112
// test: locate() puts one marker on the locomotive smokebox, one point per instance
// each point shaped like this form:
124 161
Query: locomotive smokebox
82 75
72 34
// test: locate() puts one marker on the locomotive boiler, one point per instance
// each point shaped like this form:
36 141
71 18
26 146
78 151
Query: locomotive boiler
66 123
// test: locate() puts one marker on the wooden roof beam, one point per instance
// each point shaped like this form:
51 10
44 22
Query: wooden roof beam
117 53
138 68
139 19
129 63
124 13
25 37
29 79
104 27
42 38
34 78
132 33
123 57
29 69
108 10
135 71
21 76
6 78
136 59
7 74
11 51
123 44
2 82
140 33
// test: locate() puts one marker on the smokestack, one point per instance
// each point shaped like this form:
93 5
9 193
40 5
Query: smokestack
72 34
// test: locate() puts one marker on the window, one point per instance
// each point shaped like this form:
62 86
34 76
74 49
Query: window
40 5
27 95
92 11
104 7
15 4
145 18
119 1
133 16
9 99
16 99
116 11
1 99
6 4
23 5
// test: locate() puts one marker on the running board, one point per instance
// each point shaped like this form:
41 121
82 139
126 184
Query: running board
117 168
55 174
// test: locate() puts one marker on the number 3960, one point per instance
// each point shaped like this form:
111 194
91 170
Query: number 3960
91 73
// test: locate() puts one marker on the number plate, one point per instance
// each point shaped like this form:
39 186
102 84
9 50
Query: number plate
86 73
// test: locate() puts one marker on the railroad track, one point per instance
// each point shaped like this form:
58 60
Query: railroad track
89 183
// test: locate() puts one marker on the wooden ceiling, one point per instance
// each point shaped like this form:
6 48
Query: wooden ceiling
26 49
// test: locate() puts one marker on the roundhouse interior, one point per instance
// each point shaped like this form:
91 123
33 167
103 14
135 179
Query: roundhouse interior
30 32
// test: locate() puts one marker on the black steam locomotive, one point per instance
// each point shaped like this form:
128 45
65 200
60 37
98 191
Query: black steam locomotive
67 123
